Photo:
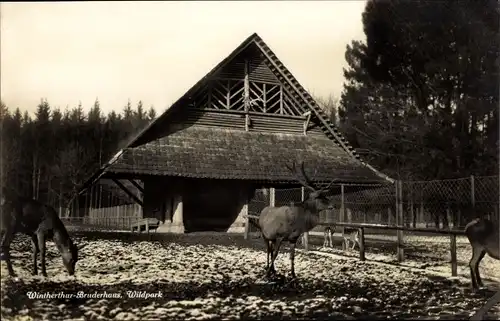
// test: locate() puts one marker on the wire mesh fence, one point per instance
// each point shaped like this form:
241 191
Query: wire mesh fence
424 204
448 204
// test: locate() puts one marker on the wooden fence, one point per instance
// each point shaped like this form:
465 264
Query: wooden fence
114 217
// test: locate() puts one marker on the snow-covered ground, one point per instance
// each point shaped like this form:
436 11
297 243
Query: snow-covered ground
220 276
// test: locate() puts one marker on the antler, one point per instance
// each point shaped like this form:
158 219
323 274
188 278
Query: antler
306 179
302 180
327 188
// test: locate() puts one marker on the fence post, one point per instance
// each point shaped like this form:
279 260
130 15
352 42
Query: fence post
361 244
399 220
342 214
91 199
412 207
85 211
112 221
247 219
272 196
247 228
453 252
305 237
472 192
100 196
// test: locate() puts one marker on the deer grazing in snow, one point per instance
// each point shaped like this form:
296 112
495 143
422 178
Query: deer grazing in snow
40 222
484 238
288 223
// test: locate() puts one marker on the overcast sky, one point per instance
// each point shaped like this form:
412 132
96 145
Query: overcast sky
155 51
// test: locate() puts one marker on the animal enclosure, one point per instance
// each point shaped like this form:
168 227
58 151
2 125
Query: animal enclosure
428 204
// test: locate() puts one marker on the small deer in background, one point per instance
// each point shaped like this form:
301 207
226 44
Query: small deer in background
288 223
40 222
328 237
351 236
484 238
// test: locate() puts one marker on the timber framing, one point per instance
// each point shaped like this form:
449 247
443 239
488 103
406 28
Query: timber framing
306 122
232 94
137 185
129 193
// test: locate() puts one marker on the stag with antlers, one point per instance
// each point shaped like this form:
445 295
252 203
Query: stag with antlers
288 223
40 222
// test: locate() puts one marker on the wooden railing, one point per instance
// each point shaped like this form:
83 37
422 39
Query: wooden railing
400 244
362 227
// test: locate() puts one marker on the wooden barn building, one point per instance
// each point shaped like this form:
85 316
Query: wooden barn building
234 131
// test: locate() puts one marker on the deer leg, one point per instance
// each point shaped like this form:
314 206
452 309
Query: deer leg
346 243
327 233
36 250
477 255
269 245
275 254
7 237
41 247
353 245
330 240
476 268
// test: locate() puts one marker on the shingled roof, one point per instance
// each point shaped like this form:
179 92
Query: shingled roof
203 152
198 151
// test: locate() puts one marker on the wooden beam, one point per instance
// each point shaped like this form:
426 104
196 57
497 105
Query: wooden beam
209 95
246 95
257 113
237 92
129 193
399 221
228 94
281 99
260 81
306 122
264 98
139 187
295 102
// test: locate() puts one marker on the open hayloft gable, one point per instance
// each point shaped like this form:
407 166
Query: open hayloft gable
245 91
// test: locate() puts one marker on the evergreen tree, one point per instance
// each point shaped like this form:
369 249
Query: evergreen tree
421 95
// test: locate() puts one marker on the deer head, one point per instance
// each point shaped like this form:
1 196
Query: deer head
317 195
70 256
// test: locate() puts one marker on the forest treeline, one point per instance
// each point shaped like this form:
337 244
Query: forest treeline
420 102
50 155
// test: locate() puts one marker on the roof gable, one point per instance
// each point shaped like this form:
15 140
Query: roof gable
262 66
274 70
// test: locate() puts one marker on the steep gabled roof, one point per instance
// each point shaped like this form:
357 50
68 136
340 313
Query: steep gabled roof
286 79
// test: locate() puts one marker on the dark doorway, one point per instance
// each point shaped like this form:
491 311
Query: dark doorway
211 207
